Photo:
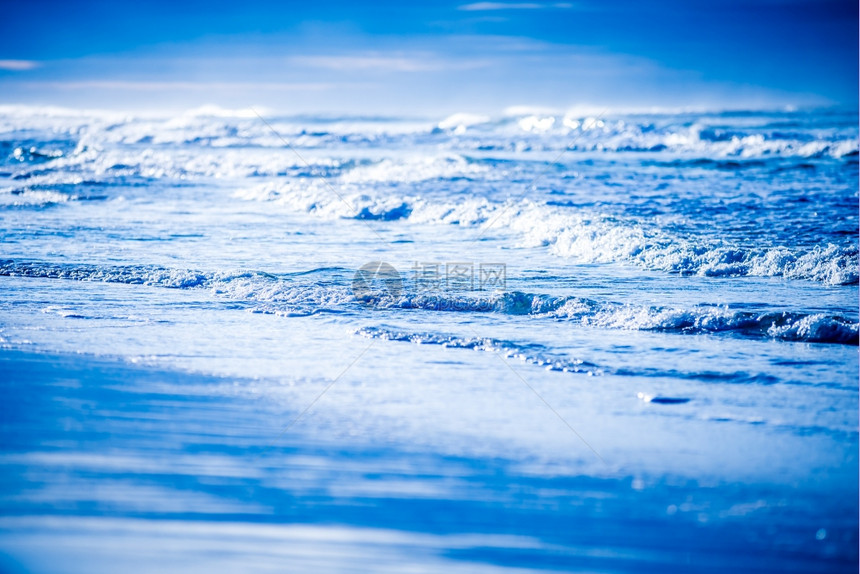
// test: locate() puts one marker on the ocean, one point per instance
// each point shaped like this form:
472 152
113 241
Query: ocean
232 340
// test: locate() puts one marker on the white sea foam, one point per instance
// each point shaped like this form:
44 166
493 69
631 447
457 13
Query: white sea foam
33 198
271 294
603 239
583 238
461 121
414 169
217 128
112 148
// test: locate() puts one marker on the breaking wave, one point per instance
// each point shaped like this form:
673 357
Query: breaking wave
583 238
302 295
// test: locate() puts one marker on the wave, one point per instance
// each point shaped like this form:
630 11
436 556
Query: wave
580 237
34 198
131 275
607 239
114 166
533 354
321 292
257 291
415 169
781 325
540 356
702 134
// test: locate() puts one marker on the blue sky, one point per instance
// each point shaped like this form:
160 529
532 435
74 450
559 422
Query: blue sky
431 57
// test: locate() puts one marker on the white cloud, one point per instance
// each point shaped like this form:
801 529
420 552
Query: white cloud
18 65
426 63
386 63
154 86
485 6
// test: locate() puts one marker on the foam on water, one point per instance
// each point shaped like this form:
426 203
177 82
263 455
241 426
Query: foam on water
533 354
601 239
55 156
299 296
704 135
442 183
583 238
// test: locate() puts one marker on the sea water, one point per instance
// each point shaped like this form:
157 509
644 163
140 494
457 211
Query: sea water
242 341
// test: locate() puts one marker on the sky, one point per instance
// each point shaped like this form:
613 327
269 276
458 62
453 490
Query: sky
419 58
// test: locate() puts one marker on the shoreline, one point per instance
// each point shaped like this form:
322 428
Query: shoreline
96 490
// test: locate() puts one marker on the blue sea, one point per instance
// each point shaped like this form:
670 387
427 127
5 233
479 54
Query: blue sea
237 341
